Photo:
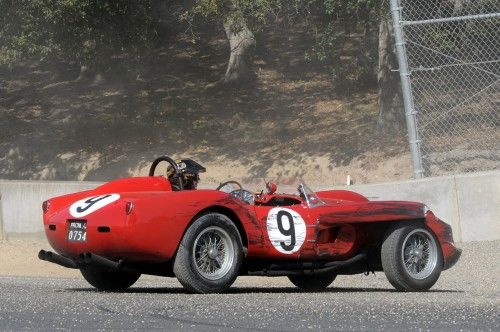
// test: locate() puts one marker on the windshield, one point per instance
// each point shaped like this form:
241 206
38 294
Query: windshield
309 196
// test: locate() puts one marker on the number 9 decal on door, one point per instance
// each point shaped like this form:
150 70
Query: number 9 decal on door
286 230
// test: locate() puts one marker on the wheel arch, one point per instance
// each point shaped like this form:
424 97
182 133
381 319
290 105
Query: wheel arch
378 232
228 213
407 222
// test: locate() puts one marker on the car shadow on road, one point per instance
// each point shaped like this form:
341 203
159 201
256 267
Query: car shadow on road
260 290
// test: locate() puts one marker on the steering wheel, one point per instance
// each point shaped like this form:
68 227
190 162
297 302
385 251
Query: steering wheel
244 195
172 163
223 184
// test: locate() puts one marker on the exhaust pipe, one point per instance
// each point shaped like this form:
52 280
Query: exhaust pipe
96 260
57 259
83 260
276 270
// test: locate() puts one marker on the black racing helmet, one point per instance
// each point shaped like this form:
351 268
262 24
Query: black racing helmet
189 170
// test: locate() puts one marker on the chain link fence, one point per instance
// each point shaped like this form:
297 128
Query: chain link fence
452 52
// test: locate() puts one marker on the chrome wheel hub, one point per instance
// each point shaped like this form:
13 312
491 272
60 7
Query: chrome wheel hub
419 254
213 253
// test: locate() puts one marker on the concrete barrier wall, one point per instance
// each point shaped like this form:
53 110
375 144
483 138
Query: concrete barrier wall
21 203
470 203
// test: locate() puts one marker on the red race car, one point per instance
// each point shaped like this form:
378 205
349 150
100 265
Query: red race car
206 238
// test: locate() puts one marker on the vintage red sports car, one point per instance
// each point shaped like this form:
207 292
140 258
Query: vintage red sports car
206 238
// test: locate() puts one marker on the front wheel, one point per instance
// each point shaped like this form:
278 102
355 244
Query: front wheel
312 282
106 280
411 258
210 255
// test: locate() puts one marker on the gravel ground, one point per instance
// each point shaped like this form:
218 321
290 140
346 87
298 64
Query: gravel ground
467 297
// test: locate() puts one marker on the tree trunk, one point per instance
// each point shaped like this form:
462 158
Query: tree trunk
391 113
242 47
92 74
84 73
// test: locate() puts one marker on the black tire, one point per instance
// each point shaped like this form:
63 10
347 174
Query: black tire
194 276
105 280
423 266
312 282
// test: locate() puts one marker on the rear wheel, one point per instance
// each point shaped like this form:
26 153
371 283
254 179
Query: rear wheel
106 280
411 258
210 255
312 282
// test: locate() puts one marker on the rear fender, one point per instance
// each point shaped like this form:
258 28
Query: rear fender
61 202
135 184
231 214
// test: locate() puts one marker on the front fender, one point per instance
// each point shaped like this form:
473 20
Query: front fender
444 234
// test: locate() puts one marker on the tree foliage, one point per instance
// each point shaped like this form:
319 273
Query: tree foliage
338 22
255 13
333 22
90 32
84 31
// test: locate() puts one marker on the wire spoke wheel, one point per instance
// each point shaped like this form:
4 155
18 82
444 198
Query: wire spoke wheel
213 253
419 254
210 255
411 257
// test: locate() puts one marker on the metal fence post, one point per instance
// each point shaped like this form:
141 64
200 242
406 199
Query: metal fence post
411 121
1 219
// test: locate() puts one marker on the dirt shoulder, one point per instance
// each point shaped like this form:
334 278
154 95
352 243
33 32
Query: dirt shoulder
20 258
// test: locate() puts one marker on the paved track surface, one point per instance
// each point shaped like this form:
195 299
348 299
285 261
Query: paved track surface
465 298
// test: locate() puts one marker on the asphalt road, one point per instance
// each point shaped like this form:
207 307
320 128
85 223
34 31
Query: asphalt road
465 298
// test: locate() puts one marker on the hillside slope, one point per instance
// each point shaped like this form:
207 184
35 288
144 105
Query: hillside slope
289 123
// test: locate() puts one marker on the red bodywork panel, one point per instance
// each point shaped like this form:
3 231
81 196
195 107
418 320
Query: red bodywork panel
153 229
158 217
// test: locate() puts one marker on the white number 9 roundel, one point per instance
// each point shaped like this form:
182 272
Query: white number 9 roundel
88 205
286 230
